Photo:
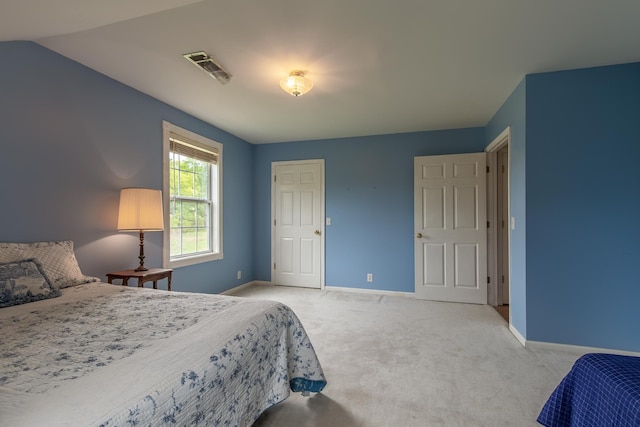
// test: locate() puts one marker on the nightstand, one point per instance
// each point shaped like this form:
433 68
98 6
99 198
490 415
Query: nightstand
150 275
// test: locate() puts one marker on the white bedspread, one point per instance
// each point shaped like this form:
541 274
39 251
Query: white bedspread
108 355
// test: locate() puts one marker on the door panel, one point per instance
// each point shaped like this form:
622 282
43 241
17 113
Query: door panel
450 222
434 264
433 198
307 212
286 209
466 257
307 256
465 206
286 255
298 223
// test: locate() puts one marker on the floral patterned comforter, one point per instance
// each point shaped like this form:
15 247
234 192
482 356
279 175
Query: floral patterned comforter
108 355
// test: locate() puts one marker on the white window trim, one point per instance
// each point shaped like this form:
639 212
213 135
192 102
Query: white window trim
167 129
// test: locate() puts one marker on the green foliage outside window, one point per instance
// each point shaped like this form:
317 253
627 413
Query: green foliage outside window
190 205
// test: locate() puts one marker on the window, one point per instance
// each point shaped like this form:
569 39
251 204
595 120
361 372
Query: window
193 197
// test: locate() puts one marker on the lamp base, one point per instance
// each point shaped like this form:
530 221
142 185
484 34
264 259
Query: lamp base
141 267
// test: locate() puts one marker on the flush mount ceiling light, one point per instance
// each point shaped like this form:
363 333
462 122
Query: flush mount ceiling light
296 84
209 65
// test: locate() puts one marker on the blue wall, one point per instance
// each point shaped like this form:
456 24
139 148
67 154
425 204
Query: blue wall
71 138
369 198
583 207
575 194
513 114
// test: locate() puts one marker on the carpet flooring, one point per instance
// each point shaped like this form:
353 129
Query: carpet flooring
397 361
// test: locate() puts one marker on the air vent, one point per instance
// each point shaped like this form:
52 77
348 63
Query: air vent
211 67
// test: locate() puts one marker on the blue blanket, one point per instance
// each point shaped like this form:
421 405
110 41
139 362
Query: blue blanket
600 390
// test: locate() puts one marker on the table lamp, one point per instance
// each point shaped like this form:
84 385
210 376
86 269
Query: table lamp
140 210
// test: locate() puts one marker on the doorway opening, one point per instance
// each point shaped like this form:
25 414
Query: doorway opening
498 184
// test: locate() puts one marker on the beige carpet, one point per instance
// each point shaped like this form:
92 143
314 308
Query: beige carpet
395 361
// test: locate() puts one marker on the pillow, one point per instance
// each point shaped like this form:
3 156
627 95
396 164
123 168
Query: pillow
24 281
58 261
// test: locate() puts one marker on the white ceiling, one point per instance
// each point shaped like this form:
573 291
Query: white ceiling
378 66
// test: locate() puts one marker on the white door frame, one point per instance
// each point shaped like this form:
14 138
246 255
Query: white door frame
322 210
492 149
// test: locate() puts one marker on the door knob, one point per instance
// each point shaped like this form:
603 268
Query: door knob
317 232
419 235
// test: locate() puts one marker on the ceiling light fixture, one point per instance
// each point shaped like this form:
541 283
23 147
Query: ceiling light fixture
296 84
209 65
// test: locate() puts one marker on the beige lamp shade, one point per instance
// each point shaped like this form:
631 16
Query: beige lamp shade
140 210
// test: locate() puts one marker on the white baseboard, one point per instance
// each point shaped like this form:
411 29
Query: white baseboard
575 349
565 348
518 335
237 288
370 291
328 288
262 283
246 285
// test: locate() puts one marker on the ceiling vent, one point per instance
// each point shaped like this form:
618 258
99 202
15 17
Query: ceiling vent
211 67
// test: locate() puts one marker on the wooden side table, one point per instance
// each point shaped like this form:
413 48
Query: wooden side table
151 275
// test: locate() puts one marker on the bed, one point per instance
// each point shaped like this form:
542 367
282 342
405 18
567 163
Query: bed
93 354
600 390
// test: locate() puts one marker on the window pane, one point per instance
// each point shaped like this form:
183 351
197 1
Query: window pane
188 240
203 239
186 163
176 239
203 215
174 213
202 186
189 214
201 167
186 184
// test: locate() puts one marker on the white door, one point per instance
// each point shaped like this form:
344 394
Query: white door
298 223
450 226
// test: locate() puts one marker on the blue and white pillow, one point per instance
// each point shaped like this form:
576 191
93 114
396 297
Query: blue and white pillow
24 281
57 260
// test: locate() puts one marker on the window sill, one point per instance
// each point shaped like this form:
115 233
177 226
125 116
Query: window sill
197 259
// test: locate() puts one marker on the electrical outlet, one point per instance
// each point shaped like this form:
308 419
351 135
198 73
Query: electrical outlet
369 277
239 275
